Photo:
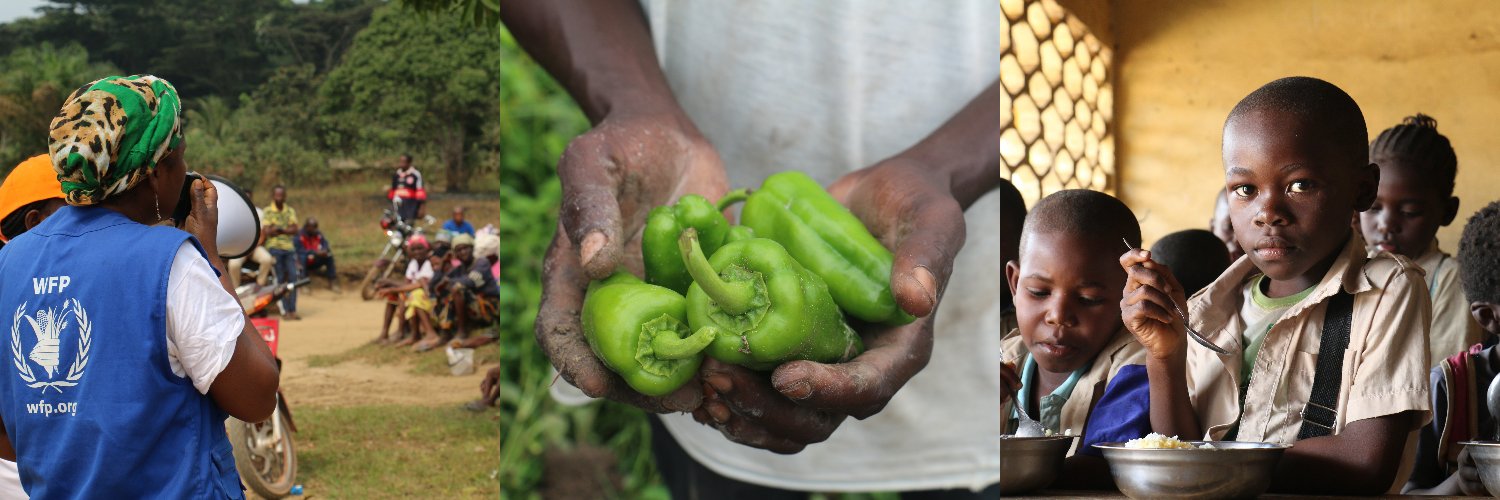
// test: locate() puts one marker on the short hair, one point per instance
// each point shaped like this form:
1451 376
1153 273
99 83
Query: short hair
1083 212
15 223
405 156
1012 215
1195 256
278 186
1316 102
1416 143
311 221
1479 255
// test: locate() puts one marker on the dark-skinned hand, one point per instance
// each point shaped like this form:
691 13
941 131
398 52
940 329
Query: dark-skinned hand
1147 307
611 177
908 208
1468 475
203 221
1010 381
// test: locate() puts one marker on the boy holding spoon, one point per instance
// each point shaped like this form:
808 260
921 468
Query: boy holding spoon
1328 346
1076 366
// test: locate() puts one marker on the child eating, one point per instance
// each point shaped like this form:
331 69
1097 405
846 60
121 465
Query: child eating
1460 382
1328 346
1417 168
1080 369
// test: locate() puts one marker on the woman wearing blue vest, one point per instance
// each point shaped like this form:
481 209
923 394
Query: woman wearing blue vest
126 347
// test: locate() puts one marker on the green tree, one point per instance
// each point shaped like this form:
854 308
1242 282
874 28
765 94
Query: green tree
482 13
33 83
415 80
316 33
203 48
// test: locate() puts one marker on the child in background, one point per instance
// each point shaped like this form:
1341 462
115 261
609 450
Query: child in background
1195 256
1080 369
1328 346
1012 219
1223 228
1417 168
1461 381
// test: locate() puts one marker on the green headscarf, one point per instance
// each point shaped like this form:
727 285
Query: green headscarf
110 134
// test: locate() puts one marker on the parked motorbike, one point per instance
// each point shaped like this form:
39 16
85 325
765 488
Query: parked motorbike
393 256
264 453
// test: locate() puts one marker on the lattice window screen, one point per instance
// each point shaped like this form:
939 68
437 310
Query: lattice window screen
1057 109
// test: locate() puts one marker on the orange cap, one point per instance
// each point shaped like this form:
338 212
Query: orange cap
31 181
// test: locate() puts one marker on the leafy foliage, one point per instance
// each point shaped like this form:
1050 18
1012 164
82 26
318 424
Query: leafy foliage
481 13
410 81
33 83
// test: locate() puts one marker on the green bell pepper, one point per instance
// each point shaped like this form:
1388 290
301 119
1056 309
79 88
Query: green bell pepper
762 307
737 233
830 241
664 223
640 331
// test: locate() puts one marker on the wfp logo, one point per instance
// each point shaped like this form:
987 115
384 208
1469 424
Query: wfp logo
47 328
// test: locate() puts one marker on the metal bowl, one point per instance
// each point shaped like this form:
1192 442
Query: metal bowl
1031 463
1486 455
1232 469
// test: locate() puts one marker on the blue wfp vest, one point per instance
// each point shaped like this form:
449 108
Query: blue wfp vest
88 398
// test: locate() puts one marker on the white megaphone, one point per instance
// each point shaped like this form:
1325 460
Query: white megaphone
239 224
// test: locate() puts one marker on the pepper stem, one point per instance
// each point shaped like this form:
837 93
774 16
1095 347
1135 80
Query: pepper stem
667 345
732 298
733 197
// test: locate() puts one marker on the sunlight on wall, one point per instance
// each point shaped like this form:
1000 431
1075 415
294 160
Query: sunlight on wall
1056 115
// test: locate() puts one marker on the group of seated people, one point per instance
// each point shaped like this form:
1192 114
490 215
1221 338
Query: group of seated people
1351 335
448 293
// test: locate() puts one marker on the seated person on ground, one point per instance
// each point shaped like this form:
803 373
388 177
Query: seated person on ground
471 297
316 255
398 299
457 225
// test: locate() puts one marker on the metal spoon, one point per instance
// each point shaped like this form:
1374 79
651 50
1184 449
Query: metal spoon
1029 428
1492 399
1197 337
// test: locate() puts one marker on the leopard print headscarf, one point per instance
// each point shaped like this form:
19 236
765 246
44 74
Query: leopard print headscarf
110 134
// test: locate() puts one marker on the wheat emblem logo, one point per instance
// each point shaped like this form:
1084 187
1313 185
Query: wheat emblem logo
47 327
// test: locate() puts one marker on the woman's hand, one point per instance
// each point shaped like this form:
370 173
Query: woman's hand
203 221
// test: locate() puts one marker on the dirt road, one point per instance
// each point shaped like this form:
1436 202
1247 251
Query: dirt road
333 324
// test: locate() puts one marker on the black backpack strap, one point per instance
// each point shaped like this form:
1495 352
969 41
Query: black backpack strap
1321 412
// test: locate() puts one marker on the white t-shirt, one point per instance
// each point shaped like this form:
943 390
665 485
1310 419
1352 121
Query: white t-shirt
10 481
419 269
829 87
203 321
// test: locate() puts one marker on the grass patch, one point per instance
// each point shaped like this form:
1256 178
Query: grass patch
434 362
397 452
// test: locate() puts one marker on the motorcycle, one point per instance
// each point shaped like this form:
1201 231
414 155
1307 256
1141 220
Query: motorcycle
264 453
393 256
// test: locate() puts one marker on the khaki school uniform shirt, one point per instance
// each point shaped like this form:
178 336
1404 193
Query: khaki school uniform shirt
1385 366
1453 328
1122 349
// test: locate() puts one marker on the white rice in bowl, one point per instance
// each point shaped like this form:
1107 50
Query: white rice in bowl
1158 441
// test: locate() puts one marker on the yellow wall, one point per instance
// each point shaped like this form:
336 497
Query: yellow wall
1181 66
